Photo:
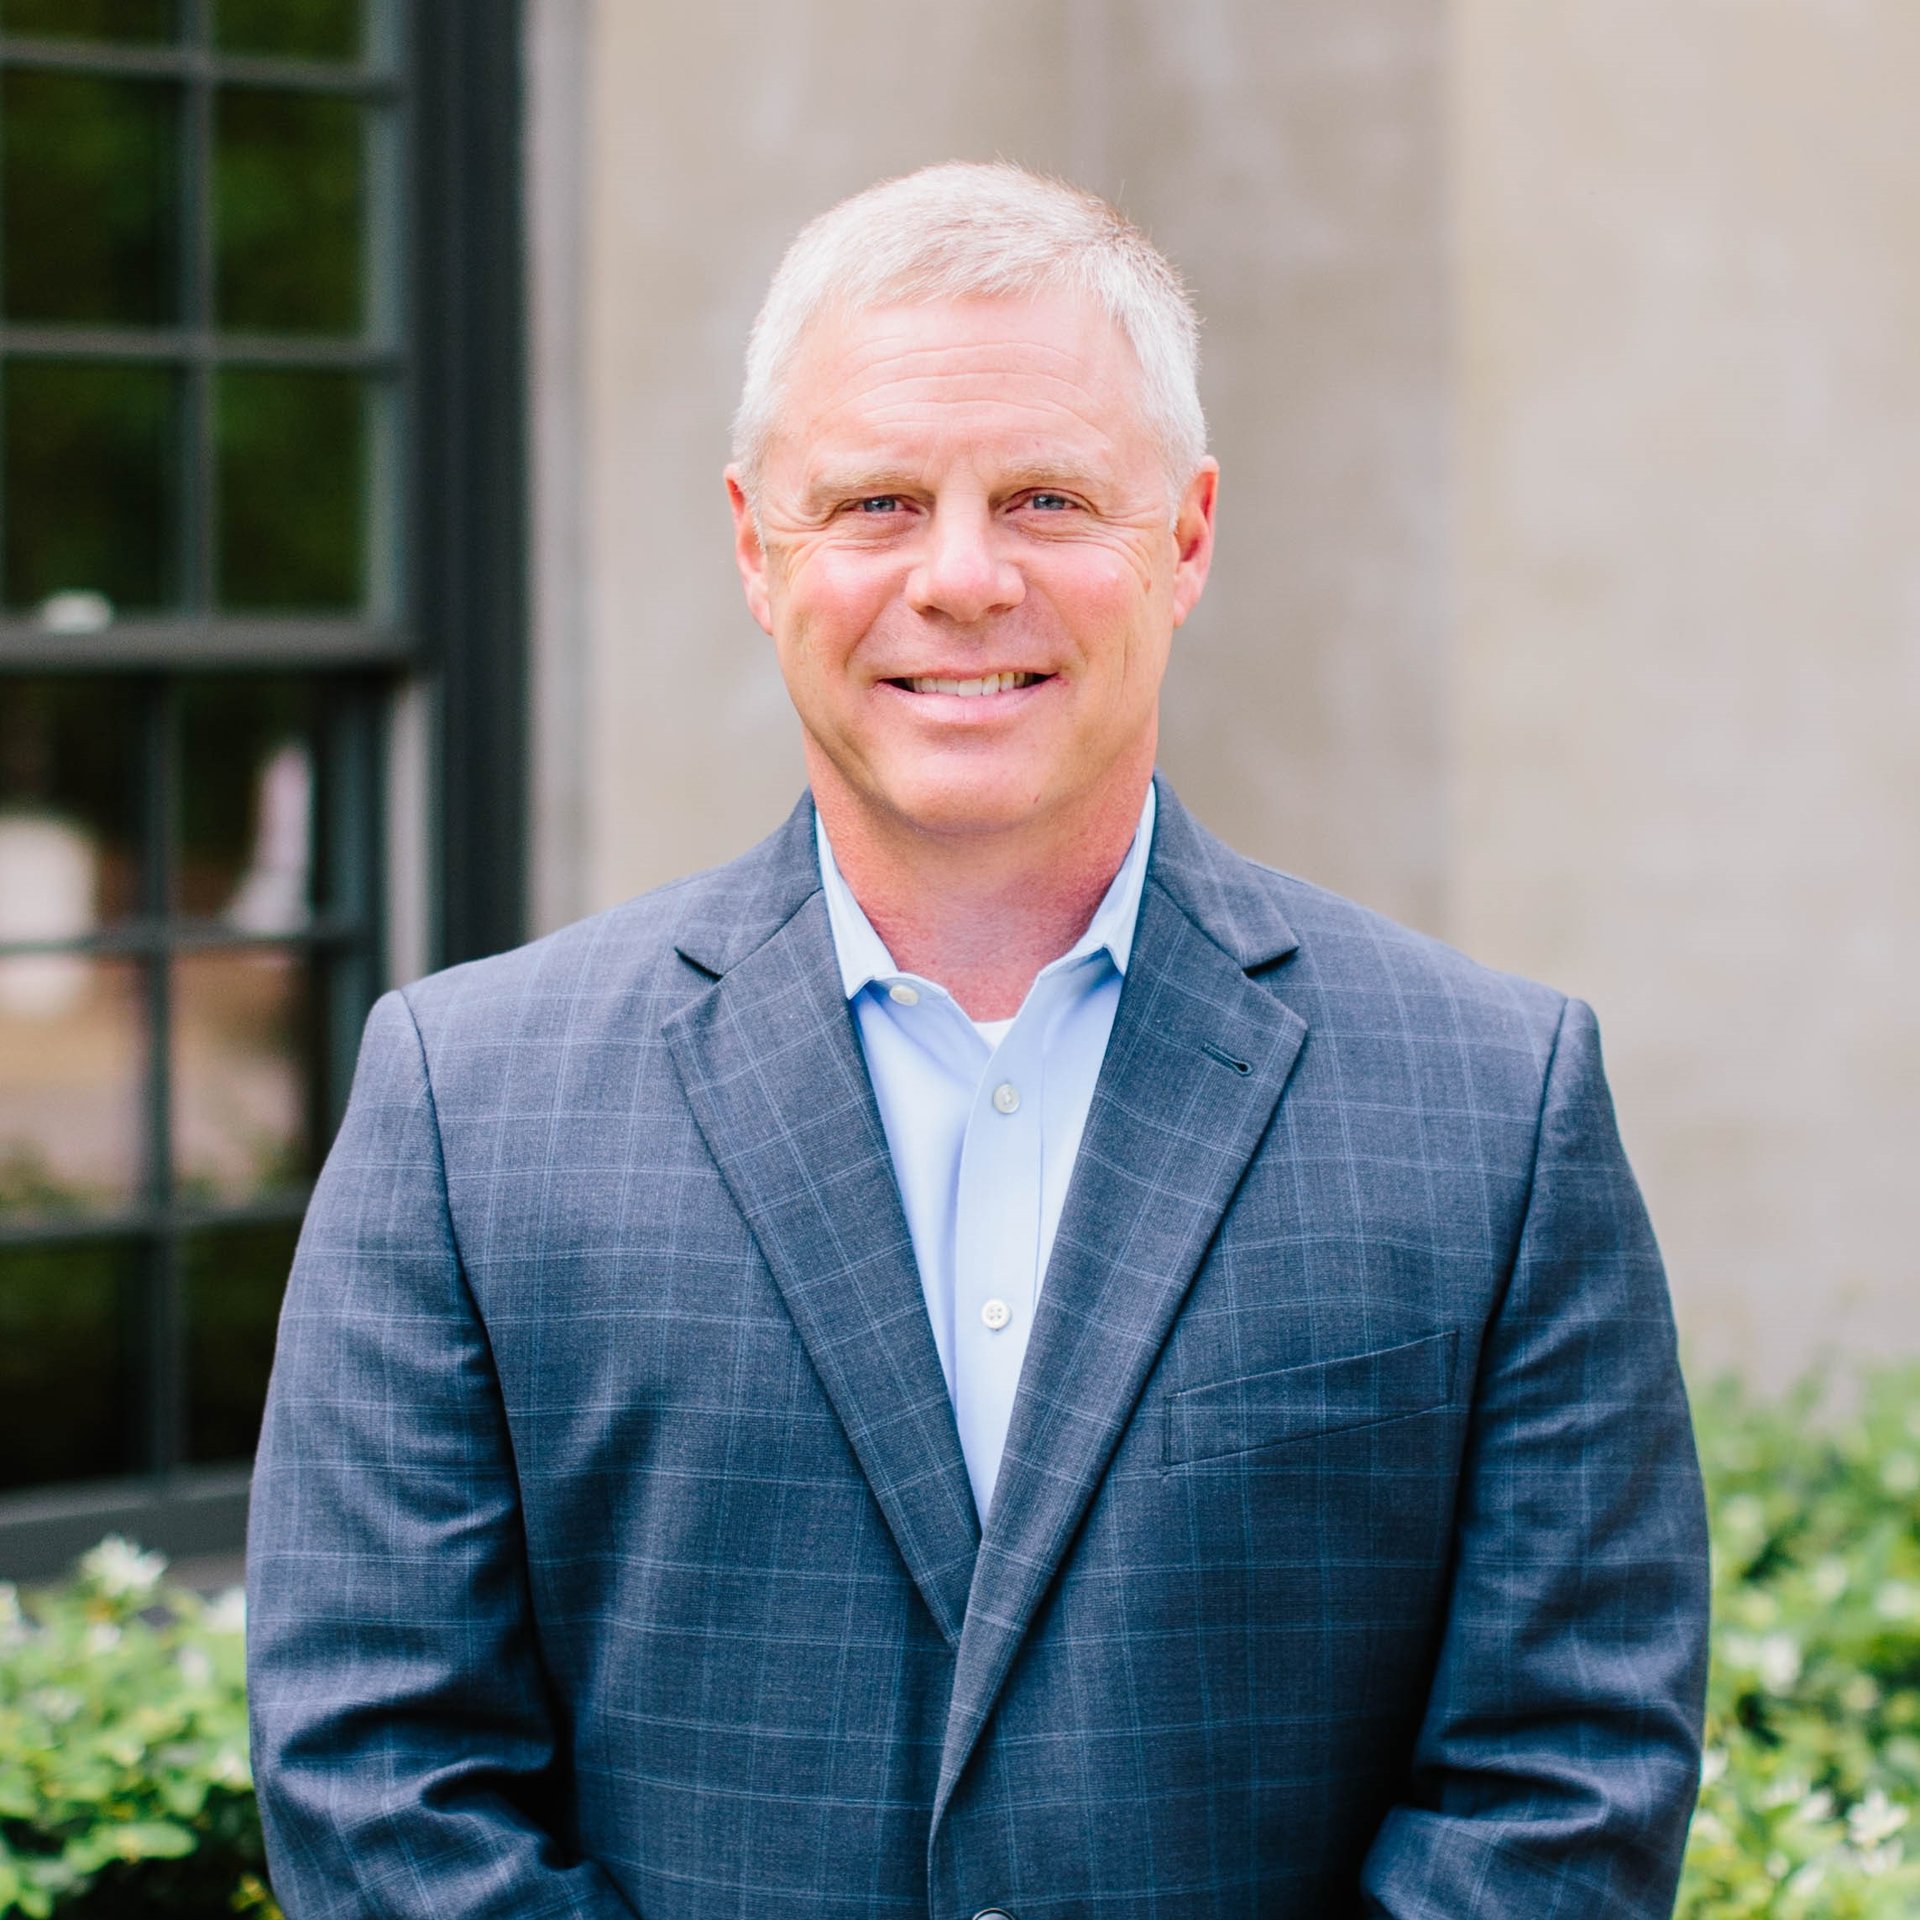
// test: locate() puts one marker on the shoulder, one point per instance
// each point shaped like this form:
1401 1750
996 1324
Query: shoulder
1362 967
1341 966
629 966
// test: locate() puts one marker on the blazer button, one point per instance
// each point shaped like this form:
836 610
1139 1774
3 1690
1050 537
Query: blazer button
993 1913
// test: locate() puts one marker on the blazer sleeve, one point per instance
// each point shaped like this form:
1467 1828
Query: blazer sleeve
1558 1762
404 1747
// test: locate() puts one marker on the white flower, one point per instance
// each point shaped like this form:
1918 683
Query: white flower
1779 1662
1900 1473
1876 1820
58 1704
1830 1579
1897 1600
13 1623
227 1612
118 1569
1713 1765
102 1637
196 1666
1861 1694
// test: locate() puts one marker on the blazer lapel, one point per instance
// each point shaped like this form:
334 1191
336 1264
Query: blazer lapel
1197 1059
772 1069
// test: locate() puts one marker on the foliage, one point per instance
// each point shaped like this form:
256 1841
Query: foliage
125 1790
124 1784
1813 1711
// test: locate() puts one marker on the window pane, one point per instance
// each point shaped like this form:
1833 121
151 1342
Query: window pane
89 483
90 199
91 19
248 770
244 1071
298 29
69 1329
292 458
69 786
231 1283
73 1056
288 198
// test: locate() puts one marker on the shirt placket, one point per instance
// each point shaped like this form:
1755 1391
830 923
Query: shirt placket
997 1240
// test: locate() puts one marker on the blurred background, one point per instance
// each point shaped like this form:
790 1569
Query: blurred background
367 601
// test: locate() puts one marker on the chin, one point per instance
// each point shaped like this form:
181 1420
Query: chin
984 805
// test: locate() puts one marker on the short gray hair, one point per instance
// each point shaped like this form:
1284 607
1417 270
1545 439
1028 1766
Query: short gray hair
979 230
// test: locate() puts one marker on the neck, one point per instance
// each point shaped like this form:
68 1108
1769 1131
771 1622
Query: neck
980 913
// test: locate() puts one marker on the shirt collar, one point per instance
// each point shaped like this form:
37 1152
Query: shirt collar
863 955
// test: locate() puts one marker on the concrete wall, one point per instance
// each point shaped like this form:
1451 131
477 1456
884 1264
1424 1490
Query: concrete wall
1562 360
1687 731
1284 151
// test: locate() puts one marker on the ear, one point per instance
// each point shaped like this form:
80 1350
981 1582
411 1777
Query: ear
748 554
1193 537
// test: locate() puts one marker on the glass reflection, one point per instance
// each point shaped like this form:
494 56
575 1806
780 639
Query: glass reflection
89 197
69 837
231 1284
242 1047
91 19
293 29
88 484
287 202
246 851
291 451
72 1071
70 1317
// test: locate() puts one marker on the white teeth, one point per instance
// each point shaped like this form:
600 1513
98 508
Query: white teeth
989 683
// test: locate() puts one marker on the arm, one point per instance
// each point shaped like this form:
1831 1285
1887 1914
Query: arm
1557 1765
403 1743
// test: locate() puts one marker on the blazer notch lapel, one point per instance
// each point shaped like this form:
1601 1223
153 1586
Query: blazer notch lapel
772 1070
1196 1063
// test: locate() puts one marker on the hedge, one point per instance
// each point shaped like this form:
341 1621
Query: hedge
125 1789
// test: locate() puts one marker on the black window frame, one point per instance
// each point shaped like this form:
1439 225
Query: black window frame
458 637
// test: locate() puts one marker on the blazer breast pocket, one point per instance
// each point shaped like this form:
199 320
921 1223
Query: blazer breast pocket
1230 1417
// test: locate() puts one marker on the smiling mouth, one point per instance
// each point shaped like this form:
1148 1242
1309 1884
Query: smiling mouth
968 689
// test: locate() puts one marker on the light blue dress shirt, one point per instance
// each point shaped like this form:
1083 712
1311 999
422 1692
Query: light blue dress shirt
984 1119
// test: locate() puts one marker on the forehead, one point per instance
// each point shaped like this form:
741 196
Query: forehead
1051 370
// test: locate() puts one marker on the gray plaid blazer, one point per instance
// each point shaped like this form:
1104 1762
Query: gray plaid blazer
612 1552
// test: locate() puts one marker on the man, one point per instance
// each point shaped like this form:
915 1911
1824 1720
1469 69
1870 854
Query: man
991 1357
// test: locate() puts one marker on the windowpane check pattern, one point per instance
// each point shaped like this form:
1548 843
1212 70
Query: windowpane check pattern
204 373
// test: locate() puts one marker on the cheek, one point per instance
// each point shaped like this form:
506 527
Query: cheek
835 593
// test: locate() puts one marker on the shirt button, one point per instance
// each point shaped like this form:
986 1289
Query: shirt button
1006 1096
903 995
995 1314
993 1913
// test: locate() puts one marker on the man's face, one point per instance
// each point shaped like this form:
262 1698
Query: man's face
969 564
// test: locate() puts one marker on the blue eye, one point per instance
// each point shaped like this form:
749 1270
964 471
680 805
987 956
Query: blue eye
879 503
1049 502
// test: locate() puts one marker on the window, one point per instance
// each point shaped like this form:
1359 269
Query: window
259 476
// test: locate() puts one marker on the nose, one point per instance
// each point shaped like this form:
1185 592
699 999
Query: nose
963 571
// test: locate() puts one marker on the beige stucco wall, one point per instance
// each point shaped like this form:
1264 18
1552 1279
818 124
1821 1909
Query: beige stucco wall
1562 360
1284 151
1684 693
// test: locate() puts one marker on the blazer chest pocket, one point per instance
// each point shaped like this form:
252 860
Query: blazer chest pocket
1308 1403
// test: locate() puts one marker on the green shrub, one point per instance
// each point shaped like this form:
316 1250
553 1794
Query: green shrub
124 1784
125 1791
1813 1708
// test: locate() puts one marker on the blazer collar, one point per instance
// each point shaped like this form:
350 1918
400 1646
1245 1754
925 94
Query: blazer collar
1210 883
